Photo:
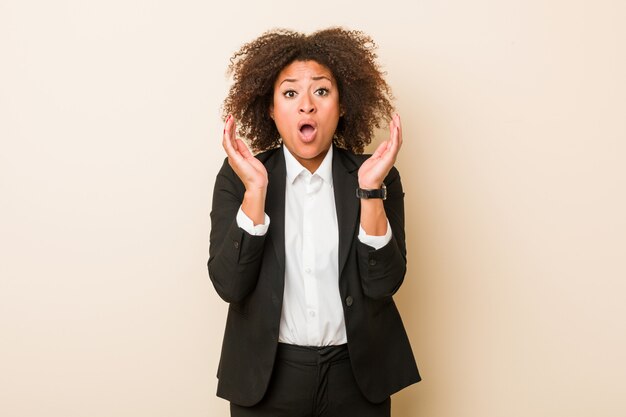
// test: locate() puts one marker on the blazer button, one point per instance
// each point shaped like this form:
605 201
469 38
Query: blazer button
349 300
372 262
236 244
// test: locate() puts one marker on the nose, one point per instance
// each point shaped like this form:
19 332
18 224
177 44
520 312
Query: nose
307 105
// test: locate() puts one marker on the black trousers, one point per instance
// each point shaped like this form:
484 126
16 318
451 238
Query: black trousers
313 382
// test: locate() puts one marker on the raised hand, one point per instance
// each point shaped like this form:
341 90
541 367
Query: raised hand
376 167
249 170
371 176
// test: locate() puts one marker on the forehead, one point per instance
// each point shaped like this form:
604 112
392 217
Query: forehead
298 70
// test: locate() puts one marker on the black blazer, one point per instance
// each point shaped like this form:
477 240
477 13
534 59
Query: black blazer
248 272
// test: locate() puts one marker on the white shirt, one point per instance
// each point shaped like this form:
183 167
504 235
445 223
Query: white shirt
312 312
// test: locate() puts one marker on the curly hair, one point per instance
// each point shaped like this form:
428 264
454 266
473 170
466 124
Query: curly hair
364 95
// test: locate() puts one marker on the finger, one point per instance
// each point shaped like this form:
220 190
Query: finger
394 128
232 131
396 135
399 125
258 166
225 136
394 145
243 149
230 146
380 151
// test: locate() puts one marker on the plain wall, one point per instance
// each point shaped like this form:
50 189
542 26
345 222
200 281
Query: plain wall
513 166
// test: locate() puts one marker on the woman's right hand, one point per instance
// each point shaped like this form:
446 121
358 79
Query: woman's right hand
249 170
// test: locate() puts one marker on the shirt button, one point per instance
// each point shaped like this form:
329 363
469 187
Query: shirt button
307 270
312 313
372 262
349 300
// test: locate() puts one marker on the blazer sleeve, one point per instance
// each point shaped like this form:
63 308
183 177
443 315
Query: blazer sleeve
234 255
382 271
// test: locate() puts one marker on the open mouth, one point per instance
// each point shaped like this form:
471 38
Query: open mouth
307 131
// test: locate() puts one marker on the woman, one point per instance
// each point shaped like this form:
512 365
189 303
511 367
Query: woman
307 237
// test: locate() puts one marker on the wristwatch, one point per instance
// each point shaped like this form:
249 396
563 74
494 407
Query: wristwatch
367 194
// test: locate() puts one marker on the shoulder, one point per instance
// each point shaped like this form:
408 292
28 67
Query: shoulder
350 160
269 155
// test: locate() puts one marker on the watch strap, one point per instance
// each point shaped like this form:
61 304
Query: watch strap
376 193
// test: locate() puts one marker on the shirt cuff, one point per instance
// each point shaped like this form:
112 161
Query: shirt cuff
376 242
247 224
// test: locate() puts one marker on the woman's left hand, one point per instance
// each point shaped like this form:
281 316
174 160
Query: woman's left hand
376 167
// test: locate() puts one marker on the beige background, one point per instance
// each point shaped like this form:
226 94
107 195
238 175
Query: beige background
513 164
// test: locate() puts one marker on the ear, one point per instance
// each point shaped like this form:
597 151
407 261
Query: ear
271 111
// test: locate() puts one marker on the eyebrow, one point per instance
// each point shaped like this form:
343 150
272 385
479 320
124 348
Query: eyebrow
293 80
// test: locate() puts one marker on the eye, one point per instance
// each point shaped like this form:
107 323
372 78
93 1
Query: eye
289 94
322 92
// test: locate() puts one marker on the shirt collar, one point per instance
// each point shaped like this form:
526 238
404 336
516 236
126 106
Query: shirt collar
294 168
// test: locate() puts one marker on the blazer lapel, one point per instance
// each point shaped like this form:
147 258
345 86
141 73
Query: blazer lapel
275 206
345 182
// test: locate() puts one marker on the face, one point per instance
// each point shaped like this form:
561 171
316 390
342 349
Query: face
306 111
